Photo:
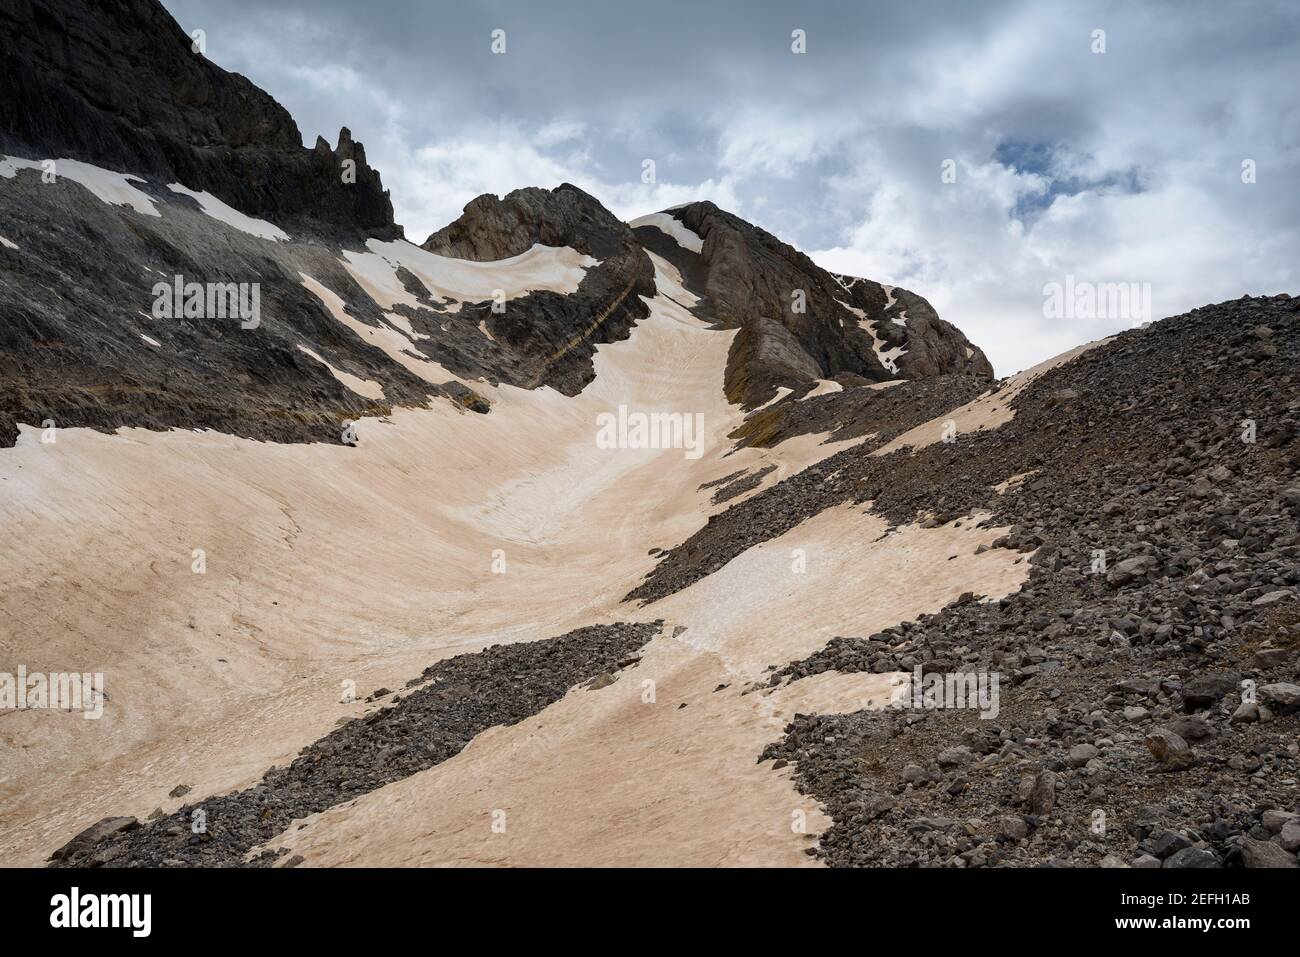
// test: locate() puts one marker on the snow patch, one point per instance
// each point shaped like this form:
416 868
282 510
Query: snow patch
682 234
107 186
231 216
7 244
888 357
781 393
404 324
362 387
823 387
153 342
391 342
985 412
555 268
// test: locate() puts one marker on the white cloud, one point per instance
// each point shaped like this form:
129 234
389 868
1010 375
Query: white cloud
838 150
432 183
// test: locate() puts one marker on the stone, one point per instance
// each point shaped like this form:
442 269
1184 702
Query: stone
956 756
1289 837
1267 658
1192 728
1266 854
1247 713
1042 801
1191 857
1131 569
94 835
1013 829
1274 820
1273 597
1170 750
1280 697
1081 754
1204 690
1167 843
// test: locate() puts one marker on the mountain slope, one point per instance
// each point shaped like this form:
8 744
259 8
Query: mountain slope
647 523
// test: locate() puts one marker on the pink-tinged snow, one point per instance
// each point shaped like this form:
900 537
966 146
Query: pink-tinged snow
453 282
362 387
781 393
231 216
327 564
106 185
391 342
823 387
684 236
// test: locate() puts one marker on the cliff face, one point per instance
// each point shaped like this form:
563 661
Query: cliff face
118 83
799 322
552 338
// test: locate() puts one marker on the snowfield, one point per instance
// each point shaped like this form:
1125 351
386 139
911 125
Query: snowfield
327 564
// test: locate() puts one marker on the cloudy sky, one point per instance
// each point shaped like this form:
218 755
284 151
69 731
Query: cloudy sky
1117 166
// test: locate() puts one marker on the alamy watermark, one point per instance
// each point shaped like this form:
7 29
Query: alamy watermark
75 909
1079 299
55 690
213 300
651 430
933 691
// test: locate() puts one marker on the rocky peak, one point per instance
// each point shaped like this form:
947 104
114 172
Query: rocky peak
799 322
492 228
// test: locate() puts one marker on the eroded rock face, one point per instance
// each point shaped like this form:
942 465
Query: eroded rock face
492 228
118 84
553 337
800 322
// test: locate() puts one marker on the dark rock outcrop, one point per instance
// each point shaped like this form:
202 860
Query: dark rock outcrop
549 339
492 228
117 83
795 319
